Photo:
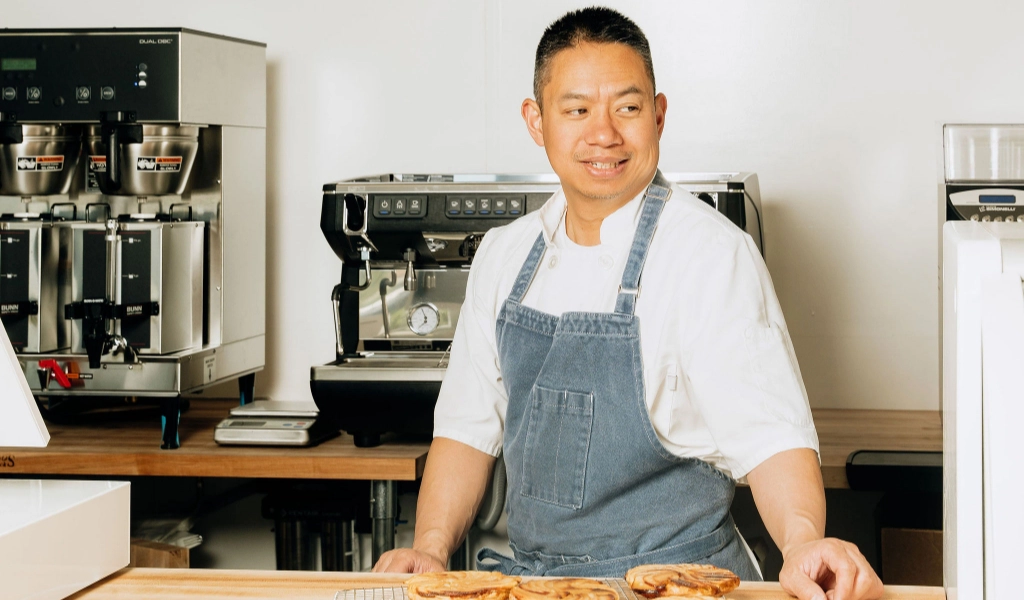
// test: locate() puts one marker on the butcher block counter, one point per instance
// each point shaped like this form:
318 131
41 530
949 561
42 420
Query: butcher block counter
193 584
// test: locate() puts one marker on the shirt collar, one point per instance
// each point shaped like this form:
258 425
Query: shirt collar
616 228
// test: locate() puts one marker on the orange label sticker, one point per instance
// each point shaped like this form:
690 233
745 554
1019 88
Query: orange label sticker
158 164
41 163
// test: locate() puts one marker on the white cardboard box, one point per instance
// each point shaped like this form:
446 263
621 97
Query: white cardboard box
59 536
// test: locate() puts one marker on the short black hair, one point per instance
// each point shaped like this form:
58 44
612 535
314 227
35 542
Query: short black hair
596 25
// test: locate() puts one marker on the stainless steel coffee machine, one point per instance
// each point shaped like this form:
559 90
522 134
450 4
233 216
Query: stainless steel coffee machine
132 189
407 243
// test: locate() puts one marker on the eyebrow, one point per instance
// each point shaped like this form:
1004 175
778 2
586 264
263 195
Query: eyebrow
581 96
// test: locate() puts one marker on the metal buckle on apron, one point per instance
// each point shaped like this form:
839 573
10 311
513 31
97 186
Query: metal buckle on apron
630 291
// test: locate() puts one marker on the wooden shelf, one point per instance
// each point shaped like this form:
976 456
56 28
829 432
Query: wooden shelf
188 584
843 431
132 448
129 448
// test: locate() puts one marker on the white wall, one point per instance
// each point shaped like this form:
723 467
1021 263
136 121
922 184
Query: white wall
836 105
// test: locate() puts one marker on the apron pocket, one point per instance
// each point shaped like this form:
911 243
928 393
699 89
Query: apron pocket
556 448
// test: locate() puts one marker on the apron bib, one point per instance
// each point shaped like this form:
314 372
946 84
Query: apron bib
592 492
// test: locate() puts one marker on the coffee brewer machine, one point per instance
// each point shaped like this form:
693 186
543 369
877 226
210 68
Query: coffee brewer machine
132 189
406 243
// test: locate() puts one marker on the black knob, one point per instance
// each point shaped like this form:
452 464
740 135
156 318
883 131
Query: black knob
58 101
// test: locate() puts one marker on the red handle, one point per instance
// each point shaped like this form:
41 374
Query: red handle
58 373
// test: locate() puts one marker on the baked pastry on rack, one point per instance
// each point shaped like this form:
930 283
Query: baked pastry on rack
663 581
460 585
563 589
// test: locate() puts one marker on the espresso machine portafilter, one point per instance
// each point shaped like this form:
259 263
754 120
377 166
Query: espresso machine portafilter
133 203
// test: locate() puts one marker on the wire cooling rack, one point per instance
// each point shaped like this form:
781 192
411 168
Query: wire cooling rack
398 592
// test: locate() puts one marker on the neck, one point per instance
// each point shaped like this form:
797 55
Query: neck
584 216
583 219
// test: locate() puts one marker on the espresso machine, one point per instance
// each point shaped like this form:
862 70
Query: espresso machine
133 203
407 243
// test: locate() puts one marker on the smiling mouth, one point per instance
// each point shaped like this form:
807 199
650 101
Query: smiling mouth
604 165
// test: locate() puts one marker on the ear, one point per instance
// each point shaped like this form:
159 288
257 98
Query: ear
534 120
660 106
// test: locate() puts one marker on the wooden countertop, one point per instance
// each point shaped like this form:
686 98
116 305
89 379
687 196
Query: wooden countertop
190 584
132 448
129 448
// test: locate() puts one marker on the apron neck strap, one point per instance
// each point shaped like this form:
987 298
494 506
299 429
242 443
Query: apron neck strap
654 200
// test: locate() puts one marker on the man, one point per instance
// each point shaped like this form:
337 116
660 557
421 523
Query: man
624 348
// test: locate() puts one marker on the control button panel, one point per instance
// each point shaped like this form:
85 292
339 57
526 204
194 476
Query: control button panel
477 206
68 77
400 206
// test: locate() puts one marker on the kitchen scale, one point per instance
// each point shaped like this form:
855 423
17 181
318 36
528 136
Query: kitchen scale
273 423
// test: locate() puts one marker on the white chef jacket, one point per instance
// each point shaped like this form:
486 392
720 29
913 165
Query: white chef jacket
720 375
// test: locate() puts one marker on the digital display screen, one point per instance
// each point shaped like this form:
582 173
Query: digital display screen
247 424
1002 199
17 64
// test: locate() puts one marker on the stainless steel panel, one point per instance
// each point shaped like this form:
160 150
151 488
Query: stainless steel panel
176 265
139 176
206 189
522 183
158 376
444 290
223 81
983 152
210 366
40 141
244 233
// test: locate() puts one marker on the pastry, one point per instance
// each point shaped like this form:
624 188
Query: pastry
460 585
661 581
563 589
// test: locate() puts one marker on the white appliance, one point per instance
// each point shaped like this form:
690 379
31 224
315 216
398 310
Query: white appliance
56 537
983 360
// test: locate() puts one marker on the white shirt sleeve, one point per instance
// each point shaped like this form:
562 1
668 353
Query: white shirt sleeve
471 405
742 366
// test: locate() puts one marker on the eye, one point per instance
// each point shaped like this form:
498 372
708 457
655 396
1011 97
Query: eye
630 108
576 112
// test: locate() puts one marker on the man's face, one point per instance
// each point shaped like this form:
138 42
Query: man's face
601 122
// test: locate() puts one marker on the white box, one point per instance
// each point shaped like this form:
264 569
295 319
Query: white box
57 537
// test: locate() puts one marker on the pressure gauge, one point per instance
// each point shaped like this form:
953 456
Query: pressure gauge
423 319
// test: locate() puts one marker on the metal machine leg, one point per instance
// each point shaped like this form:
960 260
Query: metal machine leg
291 537
246 388
383 508
336 546
170 416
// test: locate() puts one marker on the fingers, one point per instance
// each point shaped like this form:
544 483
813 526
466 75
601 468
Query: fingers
854 577
395 561
797 583
830 569
382 563
406 560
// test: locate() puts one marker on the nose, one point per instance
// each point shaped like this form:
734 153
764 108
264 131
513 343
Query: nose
601 130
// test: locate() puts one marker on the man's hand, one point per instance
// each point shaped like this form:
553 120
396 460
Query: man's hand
829 569
408 560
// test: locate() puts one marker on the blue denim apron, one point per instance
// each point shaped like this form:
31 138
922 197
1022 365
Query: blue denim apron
592 492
